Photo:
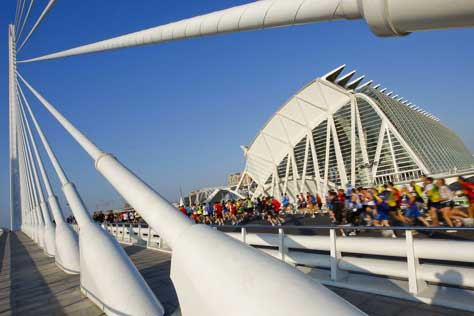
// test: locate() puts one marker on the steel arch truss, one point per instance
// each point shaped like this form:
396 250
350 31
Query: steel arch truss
329 135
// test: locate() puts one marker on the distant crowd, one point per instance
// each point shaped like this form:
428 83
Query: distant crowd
124 216
432 203
237 212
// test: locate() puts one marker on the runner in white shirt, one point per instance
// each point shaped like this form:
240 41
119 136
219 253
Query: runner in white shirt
450 214
446 200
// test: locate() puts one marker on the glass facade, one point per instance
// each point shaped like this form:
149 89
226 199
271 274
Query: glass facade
437 146
327 136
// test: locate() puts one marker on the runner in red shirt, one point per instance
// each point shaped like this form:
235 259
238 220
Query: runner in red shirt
276 205
276 210
340 196
183 210
218 212
468 189
233 212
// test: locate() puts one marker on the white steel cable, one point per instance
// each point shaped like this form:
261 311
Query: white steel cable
37 23
25 20
34 164
54 161
256 15
385 18
20 15
39 160
88 146
16 11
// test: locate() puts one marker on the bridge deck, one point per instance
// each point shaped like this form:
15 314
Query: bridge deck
30 283
155 268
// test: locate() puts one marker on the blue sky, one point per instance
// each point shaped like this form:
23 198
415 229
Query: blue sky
176 113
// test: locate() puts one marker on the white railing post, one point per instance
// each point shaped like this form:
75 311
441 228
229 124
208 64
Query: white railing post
243 232
139 237
162 243
335 255
415 283
148 239
281 244
131 233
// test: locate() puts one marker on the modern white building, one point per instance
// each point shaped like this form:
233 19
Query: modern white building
210 195
335 132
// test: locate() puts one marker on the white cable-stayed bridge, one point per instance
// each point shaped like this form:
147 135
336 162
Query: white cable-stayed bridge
114 279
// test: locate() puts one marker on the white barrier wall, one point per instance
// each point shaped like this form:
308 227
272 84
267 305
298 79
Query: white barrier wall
434 249
431 261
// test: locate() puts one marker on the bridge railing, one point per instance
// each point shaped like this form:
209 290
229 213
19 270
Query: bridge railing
136 234
420 266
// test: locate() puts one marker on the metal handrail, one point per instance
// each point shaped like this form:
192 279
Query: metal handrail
320 227
338 257
410 228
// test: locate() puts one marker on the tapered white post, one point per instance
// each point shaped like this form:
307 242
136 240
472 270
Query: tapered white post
32 227
27 204
24 198
36 211
28 196
213 254
108 276
66 242
27 192
38 218
48 236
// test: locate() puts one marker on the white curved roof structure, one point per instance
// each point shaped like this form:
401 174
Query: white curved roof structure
331 133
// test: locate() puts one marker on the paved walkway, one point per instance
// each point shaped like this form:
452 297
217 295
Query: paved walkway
31 284
155 268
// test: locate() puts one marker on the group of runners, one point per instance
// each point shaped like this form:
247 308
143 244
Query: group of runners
129 216
236 211
431 203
